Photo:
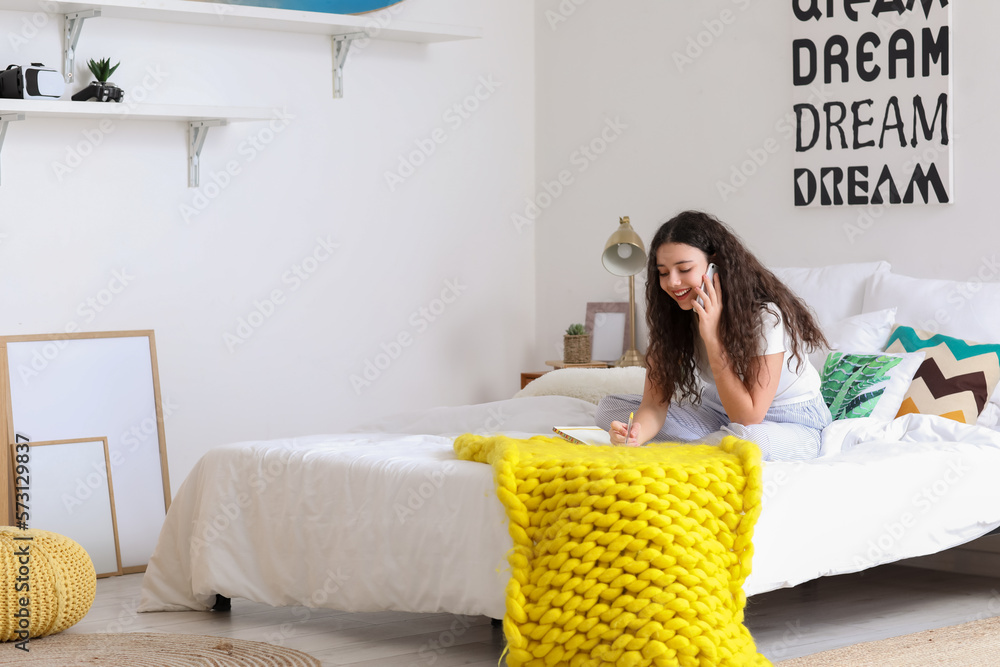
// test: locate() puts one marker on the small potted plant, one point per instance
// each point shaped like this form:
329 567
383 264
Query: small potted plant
576 345
100 89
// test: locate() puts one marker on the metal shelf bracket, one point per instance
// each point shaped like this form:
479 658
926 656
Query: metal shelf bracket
341 46
197 132
5 120
73 25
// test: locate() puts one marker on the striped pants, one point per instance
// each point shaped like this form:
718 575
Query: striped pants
788 432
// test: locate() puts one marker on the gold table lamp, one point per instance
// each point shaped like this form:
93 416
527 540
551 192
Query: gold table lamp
625 255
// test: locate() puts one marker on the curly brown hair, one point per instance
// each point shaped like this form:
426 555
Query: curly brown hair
746 286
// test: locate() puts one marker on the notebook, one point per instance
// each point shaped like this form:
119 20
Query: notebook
583 435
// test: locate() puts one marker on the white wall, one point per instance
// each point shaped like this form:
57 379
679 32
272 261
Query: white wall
608 68
192 278
687 129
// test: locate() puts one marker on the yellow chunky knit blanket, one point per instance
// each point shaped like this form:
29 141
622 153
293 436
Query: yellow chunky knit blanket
625 556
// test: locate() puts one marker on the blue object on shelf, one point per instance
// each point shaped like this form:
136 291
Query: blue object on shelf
325 6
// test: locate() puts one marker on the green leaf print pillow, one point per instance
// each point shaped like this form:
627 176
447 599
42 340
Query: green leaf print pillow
867 385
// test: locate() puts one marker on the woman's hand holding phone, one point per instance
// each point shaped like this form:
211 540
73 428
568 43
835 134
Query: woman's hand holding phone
709 278
708 306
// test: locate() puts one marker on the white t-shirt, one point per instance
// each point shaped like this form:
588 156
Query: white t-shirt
797 382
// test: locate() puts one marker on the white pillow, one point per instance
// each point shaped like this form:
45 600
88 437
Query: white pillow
866 332
893 385
588 384
990 416
966 310
833 292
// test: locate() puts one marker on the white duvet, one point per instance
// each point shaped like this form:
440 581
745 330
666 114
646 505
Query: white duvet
388 519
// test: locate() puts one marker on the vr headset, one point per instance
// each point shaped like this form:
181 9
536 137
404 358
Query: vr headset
35 82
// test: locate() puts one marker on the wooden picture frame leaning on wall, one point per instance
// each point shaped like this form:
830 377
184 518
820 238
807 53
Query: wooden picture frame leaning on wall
73 495
72 386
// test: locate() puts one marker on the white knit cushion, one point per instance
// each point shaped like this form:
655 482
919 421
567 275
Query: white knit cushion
588 384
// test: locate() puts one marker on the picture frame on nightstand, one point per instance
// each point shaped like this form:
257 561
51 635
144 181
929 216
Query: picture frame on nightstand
608 326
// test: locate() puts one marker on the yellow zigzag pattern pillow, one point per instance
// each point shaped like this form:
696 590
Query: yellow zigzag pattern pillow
625 556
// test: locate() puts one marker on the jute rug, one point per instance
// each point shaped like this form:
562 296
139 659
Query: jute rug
975 644
151 649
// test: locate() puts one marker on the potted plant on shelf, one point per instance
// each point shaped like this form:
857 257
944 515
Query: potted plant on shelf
576 345
100 89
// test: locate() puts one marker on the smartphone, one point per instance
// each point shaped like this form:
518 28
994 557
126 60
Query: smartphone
709 276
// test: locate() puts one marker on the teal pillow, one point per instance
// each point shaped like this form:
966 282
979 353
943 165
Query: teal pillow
867 385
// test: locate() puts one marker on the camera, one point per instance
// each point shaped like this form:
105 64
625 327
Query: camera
31 83
102 92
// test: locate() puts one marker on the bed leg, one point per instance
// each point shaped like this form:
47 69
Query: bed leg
222 603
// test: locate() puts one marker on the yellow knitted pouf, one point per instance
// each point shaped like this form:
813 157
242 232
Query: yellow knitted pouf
48 583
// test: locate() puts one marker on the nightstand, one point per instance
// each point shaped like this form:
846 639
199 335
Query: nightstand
528 377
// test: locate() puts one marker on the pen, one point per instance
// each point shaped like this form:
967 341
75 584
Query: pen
628 429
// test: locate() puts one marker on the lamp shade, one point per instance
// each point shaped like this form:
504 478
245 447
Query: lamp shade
624 253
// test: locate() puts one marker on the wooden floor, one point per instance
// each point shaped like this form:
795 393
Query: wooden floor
828 613
884 602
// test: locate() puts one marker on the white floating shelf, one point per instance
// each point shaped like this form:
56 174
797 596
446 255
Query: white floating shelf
126 111
257 18
343 29
198 118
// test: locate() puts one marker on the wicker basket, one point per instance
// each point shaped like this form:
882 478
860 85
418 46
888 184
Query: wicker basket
576 349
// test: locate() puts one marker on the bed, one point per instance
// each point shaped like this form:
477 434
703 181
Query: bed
386 517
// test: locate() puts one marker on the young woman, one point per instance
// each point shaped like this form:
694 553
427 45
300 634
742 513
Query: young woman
725 357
